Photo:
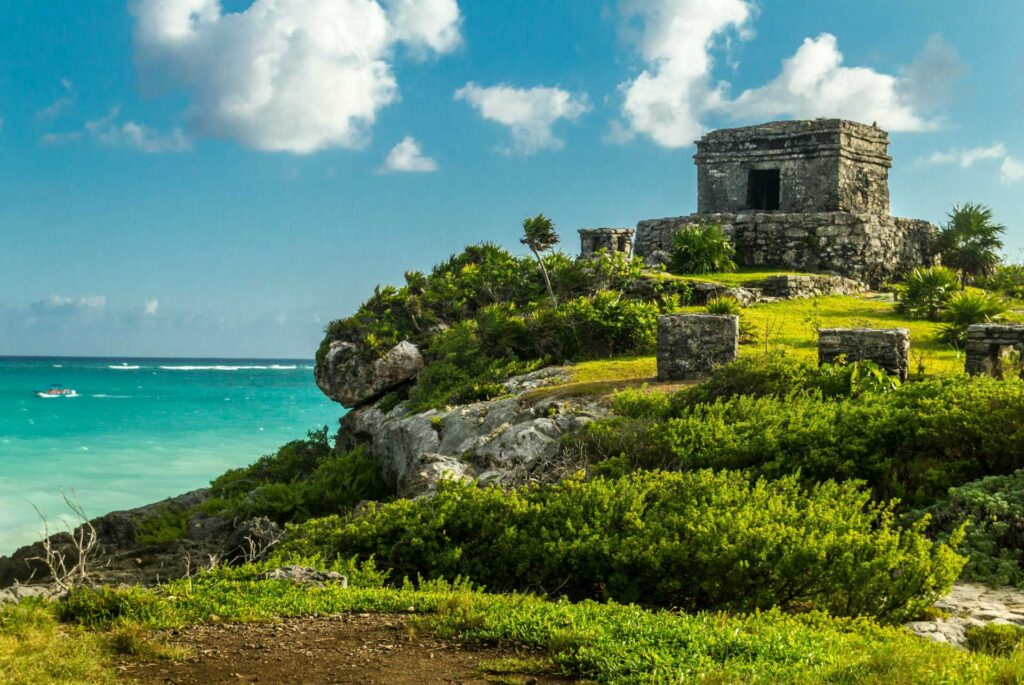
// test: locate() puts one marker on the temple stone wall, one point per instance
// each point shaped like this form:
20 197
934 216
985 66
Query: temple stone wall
825 165
887 347
866 247
693 344
988 346
611 239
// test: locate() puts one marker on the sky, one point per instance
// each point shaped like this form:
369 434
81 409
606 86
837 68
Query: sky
204 178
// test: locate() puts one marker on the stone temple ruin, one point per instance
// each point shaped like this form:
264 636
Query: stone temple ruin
802 195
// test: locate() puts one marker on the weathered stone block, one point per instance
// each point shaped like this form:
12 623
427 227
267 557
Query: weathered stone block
989 347
693 344
887 347
611 239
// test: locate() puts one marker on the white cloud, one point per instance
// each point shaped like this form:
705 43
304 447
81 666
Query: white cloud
62 103
56 304
966 158
286 75
529 113
1011 169
110 131
151 307
61 138
814 83
670 100
408 156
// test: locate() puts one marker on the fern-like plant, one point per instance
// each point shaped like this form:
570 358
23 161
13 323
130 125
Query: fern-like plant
926 291
701 250
967 308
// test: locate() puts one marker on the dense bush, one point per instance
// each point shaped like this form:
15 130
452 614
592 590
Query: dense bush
925 292
912 443
701 250
1007 279
695 540
304 478
967 308
994 639
994 509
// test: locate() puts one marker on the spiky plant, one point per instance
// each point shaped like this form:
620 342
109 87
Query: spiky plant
701 250
967 308
926 291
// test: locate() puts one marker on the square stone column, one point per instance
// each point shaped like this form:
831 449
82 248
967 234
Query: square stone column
887 347
988 344
693 344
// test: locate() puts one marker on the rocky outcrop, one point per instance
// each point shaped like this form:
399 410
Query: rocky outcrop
349 378
121 559
503 441
971 605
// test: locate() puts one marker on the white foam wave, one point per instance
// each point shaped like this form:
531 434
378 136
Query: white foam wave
58 366
223 367
124 367
112 397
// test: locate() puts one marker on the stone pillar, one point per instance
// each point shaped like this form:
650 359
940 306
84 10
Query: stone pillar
611 239
887 347
693 344
989 343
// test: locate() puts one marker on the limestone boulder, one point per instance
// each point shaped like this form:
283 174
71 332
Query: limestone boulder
347 377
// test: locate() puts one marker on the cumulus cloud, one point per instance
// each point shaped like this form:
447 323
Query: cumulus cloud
286 75
674 37
670 100
151 307
408 156
815 83
1010 168
114 133
529 113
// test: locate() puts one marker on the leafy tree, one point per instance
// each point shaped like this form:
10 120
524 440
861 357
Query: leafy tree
970 241
701 250
539 235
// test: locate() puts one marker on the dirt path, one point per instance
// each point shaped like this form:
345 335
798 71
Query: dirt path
352 649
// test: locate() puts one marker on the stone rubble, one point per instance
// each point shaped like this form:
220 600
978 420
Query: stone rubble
971 605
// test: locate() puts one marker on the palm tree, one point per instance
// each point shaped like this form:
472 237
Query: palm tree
539 235
970 241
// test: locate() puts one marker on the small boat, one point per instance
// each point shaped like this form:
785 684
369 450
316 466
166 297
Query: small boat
56 391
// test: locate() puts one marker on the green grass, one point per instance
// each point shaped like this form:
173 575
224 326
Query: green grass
730 278
789 325
608 643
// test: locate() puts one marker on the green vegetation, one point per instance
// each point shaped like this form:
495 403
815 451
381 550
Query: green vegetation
970 241
993 508
695 540
604 642
912 443
701 250
967 308
305 478
539 235
925 292
995 639
164 524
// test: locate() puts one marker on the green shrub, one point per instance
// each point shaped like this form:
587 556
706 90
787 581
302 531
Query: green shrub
1007 279
967 308
304 478
701 250
994 542
926 290
995 639
912 443
767 375
695 540
165 523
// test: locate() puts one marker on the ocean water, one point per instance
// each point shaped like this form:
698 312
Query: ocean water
140 429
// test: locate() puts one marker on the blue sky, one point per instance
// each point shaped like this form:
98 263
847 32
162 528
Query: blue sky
182 177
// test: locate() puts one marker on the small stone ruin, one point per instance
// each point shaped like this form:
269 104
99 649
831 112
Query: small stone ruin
990 348
887 347
810 196
611 239
694 344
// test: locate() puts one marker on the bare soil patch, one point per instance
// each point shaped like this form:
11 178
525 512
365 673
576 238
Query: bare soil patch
352 649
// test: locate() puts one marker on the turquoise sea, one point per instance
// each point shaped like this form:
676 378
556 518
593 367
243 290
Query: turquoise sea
140 429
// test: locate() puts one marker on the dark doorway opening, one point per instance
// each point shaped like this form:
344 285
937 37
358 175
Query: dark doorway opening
763 189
